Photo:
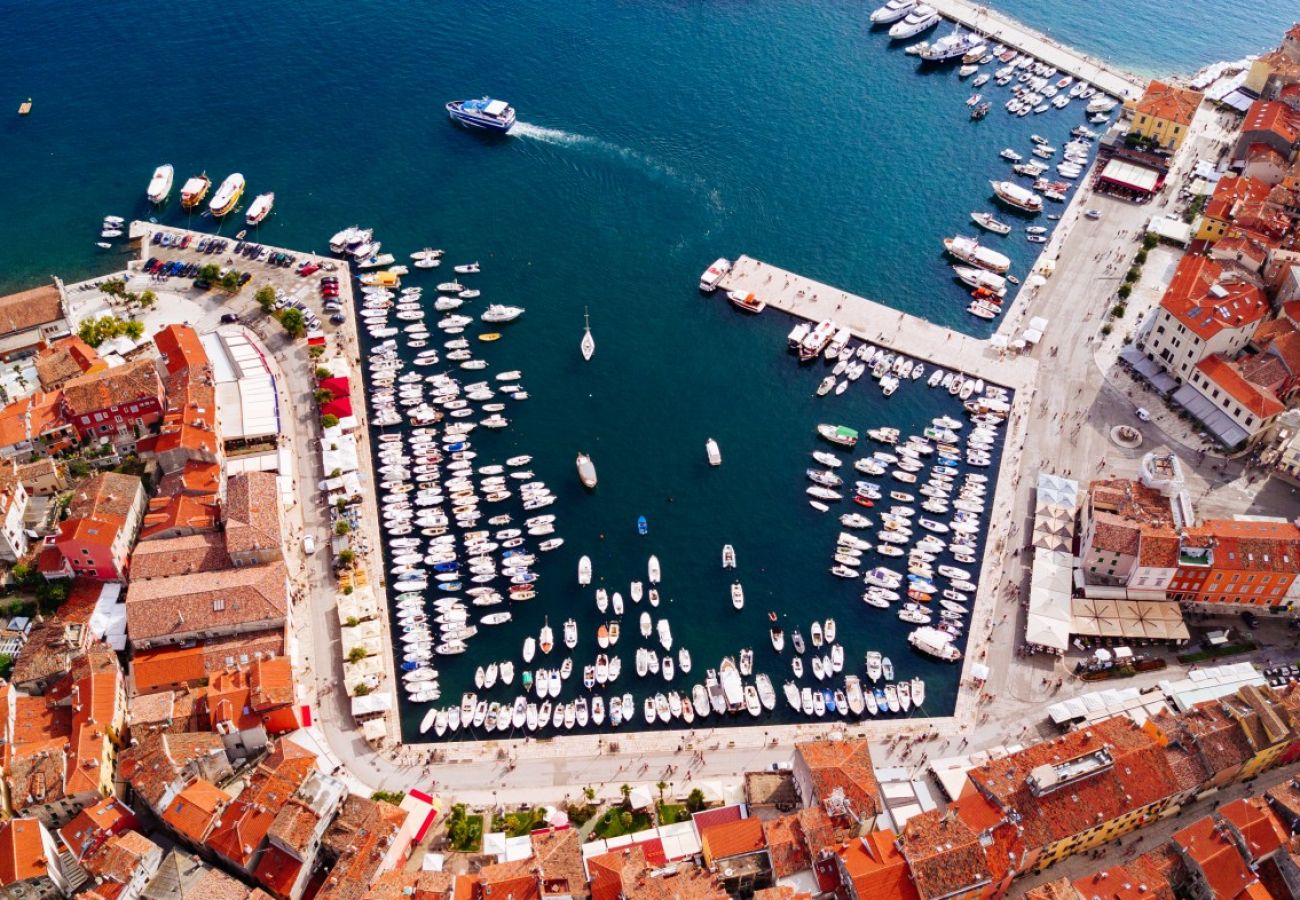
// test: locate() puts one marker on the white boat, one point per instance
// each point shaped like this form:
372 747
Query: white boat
588 345
892 11
653 571
713 453
714 274
224 200
496 312
584 572
988 221
1014 195
160 185
766 695
728 556
737 595
919 20
260 208
970 250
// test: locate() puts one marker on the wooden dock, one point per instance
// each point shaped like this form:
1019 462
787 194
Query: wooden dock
879 324
1010 33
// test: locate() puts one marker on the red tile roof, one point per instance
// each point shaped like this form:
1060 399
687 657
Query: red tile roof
877 868
733 839
1230 191
127 383
28 309
244 825
1261 832
196 809
1132 881
1165 101
844 765
1226 375
944 854
1274 117
1205 302
180 348
1216 857
22 852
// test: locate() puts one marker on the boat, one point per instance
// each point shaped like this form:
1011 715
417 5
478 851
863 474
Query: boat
918 692
712 452
714 274
853 695
737 595
729 681
588 345
766 695
260 208
919 20
987 221
838 434
546 638
982 279
728 556
892 11
746 301
160 185
778 638
586 471
227 195
194 190
642 526
873 665
970 250
1014 195
956 44
934 642
485 113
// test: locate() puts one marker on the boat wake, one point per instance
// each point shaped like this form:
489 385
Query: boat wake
550 135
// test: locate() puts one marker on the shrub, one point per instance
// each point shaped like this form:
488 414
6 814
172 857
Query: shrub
293 321
329 420
1149 242
265 298
356 654
316 351
695 800
1141 257
346 557
148 299
322 373
1106 329
211 273
393 797
1133 274
1124 291
341 528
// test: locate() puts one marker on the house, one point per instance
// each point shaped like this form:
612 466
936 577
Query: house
95 539
737 852
252 519
170 667
182 876
1271 124
29 861
1239 398
43 477
47 656
1204 311
1214 862
115 405
626 874
839 777
874 866
944 856
13 509
1272 73
95 824
124 865
159 766
248 706
179 608
793 841
1231 194
1163 114
30 319
64 360
189 428
360 844
1127 535
164 711
34 425
1237 564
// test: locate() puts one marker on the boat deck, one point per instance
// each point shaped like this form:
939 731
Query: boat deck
1010 33
879 324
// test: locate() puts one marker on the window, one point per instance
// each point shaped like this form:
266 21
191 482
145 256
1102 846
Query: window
218 604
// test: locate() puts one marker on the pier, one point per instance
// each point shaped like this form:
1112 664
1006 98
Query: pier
1010 33
879 324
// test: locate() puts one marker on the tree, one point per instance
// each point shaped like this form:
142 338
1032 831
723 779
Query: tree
356 654
329 420
265 298
293 321
134 329
663 786
316 351
341 528
695 800
148 299
1124 291
361 690
322 373
78 469
1141 257
211 273
590 793
323 396
352 622
625 819
626 791
230 281
114 287
1149 241
393 797
346 557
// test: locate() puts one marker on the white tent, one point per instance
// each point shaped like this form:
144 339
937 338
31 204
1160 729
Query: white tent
1047 632
1038 323
1032 335
641 798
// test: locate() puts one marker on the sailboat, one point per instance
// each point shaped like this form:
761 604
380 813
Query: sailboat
588 345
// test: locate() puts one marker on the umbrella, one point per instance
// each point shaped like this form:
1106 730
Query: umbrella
712 791
1102 654
557 819
640 798
979 671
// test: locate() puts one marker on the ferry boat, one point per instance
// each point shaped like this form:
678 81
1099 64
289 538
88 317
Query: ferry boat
260 208
227 195
194 190
160 185
586 471
1014 195
892 11
952 46
713 274
969 250
747 302
486 113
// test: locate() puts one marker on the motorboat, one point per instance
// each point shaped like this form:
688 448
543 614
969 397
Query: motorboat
714 274
737 595
260 208
955 45
160 185
988 221
970 250
712 452
1014 195
194 190
892 11
227 195
586 471
746 301
485 113
921 19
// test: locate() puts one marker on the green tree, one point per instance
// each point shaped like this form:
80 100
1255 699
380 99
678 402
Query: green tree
356 654
265 298
625 819
1141 257
590 793
626 791
361 690
114 287
6 665
1133 274
393 797
293 321
1124 291
695 800
134 329
323 396
663 786
341 528
148 299
329 420
211 273
316 351
322 373
78 469
346 558
230 281
1149 241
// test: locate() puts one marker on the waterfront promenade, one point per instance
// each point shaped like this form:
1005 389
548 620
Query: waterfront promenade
1010 33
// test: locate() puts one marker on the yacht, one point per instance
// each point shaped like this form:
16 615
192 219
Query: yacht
1014 195
713 274
160 185
982 279
952 46
227 195
892 11
970 250
194 190
261 208
919 20
746 301
586 471
485 113
588 345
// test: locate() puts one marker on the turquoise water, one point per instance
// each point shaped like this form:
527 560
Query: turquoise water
654 137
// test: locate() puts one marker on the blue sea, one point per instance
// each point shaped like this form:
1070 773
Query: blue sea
653 137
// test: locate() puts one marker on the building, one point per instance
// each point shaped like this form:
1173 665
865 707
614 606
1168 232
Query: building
13 509
47 656
178 609
182 876
839 777
1272 73
29 320
1163 114
1271 124
95 539
1232 195
1214 862
94 825
34 425
1204 311
1238 564
1128 535
359 845
157 768
252 516
737 852
248 706
29 861
874 866
115 405
945 857
64 360
123 866
1236 399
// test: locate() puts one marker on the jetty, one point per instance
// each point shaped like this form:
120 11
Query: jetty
1010 33
879 324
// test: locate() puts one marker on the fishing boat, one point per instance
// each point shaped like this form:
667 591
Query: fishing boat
838 434
546 638
934 642
486 113
588 345
227 195
260 208
194 190
586 471
160 185
729 680
766 695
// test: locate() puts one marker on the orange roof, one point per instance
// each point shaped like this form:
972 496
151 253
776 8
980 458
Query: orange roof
1275 117
877 868
94 822
64 359
22 852
1124 883
1201 299
1261 831
180 348
270 683
844 764
1231 191
1173 104
136 380
245 823
278 871
152 669
1226 375
1220 864
733 839
120 857
180 512
195 809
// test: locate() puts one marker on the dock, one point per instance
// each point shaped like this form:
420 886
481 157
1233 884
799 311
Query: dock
879 324
1010 33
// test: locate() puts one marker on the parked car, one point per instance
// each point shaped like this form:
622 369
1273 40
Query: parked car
201 285
229 318
308 544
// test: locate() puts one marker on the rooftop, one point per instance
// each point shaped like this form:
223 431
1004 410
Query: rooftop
944 854
1216 856
135 380
160 759
30 308
220 601
1205 300
1228 376
1165 101
252 513
194 811
203 552
844 766
733 839
22 852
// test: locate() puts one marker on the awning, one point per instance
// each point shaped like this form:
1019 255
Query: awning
1130 175
1032 335
1148 369
1172 229
1202 408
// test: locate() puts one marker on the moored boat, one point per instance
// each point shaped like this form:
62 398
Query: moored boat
194 190
260 208
160 185
227 195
